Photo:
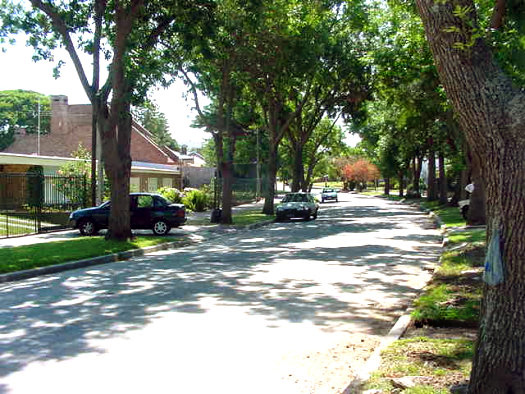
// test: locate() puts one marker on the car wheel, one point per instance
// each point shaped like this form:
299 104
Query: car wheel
336 200
322 200
315 214
160 227
87 227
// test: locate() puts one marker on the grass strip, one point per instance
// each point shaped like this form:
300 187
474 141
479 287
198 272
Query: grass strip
450 216
44 254
247 217
337 184
434 364
453 297
242 217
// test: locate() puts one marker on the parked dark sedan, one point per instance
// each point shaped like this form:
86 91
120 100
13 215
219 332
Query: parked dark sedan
147 211
297 205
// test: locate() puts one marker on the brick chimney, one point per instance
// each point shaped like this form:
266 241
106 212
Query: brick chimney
59 114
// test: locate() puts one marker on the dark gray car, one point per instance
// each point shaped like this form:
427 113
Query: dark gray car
297 205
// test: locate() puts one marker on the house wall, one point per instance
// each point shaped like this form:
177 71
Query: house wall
198 176
148 182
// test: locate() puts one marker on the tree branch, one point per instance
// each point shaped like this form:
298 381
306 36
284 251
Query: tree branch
193 89
63 30
496 21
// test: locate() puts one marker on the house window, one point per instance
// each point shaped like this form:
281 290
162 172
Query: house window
167 182
134 184
152 185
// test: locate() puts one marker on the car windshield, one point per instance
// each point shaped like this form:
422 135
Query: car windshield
328 190
295 198
106 204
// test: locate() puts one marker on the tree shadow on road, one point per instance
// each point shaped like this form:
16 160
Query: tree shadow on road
280 272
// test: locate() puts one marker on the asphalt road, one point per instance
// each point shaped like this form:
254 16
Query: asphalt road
257 311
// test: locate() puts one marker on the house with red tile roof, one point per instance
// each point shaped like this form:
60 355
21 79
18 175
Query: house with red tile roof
152 167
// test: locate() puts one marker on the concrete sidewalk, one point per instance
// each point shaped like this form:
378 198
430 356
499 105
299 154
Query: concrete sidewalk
189 228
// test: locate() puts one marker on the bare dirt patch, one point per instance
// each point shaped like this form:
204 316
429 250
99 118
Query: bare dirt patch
331 371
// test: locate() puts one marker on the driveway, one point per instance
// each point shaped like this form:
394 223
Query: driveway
280 309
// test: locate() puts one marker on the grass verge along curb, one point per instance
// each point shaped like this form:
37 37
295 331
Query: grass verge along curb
105 259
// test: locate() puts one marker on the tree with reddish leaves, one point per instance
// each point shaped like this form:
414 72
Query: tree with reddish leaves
359 172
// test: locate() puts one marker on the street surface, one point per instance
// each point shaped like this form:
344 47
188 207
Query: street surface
279 309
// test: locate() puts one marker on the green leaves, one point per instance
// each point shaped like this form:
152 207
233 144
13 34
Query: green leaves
19 110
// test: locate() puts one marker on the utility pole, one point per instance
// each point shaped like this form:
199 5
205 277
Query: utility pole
38 130
94 151
100 170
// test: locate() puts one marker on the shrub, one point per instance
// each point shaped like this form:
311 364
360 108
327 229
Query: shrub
171 194
196 200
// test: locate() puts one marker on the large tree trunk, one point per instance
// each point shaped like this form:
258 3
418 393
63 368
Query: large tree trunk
116 143
415 178
227 192
272 176
307 186
457 191
477 211
491 112
432 187
387 186
401 177
443 187
298 168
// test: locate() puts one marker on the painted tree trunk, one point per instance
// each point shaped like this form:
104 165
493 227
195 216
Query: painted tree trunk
491 112
432 187
443 187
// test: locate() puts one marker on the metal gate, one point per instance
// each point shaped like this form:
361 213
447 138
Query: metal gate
32 203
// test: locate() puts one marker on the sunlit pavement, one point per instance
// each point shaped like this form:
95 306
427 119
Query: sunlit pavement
236 314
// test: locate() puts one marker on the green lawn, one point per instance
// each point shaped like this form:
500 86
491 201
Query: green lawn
247 217
453 297
243 217
44 254
336 184
450 216
437 364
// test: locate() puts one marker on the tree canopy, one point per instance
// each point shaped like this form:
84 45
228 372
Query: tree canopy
22 109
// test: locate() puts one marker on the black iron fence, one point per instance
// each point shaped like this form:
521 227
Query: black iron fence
32 203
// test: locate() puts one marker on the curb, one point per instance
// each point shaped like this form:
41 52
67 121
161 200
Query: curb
106 259
374 360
